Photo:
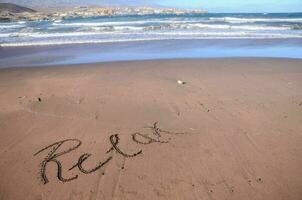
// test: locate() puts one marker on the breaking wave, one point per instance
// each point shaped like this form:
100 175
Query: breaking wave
148 28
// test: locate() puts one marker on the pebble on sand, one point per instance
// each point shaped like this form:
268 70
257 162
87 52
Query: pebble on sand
181 82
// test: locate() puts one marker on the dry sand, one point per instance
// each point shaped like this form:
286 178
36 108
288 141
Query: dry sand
233 131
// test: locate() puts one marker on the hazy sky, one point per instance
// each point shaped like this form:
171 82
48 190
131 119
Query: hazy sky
239 5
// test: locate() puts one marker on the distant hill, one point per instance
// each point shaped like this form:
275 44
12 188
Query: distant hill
13 8
73 3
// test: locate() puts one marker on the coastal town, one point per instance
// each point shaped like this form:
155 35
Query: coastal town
17 13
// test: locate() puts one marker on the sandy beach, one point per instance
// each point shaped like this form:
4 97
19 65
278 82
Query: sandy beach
170 129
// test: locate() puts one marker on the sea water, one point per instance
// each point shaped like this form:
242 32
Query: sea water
141 32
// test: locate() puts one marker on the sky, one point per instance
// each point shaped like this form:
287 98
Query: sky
209 5
238 5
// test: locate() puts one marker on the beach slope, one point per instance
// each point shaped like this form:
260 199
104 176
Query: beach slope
170 129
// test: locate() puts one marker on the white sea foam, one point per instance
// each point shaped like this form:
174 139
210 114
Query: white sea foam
237 27
168 25
209 36
38 43
8 26
49 35
251 20
121 28
95 30
90 24
121 23
130 30
244 27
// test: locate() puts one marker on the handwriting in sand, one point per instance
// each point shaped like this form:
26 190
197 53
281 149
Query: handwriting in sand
58 149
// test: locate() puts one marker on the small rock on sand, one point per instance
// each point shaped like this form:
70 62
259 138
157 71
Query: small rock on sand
181 82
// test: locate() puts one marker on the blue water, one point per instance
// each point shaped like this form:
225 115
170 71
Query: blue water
150 28
155 36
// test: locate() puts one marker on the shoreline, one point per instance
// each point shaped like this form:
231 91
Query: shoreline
105 63
204 40
170 49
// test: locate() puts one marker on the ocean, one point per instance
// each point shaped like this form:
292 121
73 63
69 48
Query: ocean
151 27
163 29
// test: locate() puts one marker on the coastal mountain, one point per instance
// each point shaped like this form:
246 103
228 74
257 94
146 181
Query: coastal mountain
13 8
72 3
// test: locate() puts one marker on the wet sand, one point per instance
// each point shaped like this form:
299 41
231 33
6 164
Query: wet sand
129 130
23 56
